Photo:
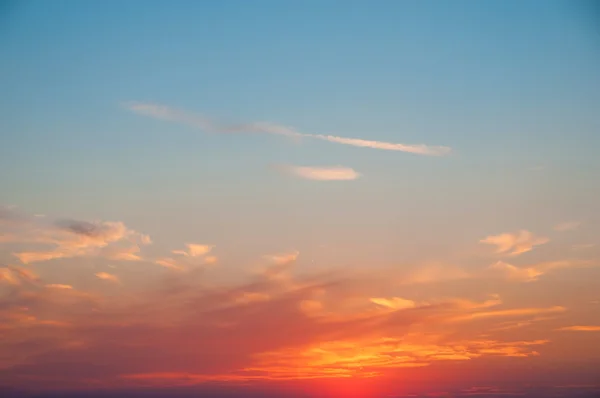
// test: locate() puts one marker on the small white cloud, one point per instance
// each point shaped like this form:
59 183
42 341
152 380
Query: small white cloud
336 173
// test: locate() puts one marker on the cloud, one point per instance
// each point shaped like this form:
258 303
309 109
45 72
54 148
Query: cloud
533 272
107 277
183 331
515 243
73 238
130 253
194 256
283 258
178 116
567 226
581 328
58 286
337 173
182 328
168 262
17 275
434 273
395 303
195 250
515 312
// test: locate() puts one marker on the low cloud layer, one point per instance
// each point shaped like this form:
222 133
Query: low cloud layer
200 122
276 322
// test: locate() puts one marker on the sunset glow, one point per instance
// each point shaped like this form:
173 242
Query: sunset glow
299 199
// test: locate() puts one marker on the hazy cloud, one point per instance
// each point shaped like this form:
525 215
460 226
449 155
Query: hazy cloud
533 272
514 243
567 226
174 115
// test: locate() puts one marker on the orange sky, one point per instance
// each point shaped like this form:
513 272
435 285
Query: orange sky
84 306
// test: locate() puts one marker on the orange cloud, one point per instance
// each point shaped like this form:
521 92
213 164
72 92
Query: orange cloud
195 250
181 329
514 243
581 328
515 312
533 272
17 275
194 255
395 303
283 258
107 277
169 263
58 286
71 238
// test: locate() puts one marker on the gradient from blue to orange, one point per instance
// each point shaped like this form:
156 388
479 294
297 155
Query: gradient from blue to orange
95 126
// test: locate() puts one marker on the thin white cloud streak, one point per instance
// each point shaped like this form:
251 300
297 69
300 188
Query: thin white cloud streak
336 173
178 116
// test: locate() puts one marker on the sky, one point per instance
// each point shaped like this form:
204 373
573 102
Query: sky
312 199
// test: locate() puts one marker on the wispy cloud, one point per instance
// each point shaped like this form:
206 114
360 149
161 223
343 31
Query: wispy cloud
58 286
72 238
193 256
581 328
17 275
203 123
567 226
395 303
533 272
515 243
337 173
515 312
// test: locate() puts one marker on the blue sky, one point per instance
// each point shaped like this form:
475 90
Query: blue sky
508 85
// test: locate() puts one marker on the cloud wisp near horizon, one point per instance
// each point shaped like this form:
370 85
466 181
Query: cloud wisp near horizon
203 123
